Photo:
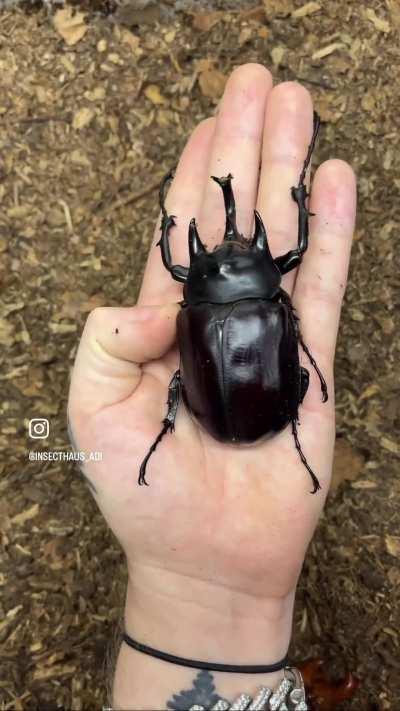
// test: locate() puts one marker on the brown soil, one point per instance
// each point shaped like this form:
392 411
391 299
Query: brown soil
86 131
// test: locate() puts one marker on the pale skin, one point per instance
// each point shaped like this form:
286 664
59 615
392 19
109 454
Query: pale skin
216 542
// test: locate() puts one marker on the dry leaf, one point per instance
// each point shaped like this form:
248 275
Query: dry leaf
132 40
394 576
7 309
388 159
170 36
165 117
244 36
387 325
70 26
26 515
18 211
79 158
69 66
203 65
368 102
308 9
325 108
212 83
393 545
6 333
378 23
277 54
101 45
153 93
364 484
253 13
278 8
82 118
394 9
114 58
71 305
55 217
357 315
369 391
325 51
347 464
44 673
204 21
391 446
62 327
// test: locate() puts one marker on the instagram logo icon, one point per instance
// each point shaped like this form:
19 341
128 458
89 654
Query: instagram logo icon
38 428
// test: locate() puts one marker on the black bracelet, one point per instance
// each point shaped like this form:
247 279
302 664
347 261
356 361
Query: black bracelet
211 666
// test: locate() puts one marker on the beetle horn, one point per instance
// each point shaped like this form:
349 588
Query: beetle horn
196 246
231 230
260 241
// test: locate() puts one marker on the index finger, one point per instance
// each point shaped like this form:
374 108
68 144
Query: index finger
184 200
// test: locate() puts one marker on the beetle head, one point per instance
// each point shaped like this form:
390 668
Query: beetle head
236 269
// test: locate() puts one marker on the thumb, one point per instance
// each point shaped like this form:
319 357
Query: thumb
114 343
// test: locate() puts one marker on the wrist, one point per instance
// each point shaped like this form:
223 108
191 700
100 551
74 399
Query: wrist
199 620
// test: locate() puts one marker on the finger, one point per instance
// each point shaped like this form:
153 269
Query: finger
322 276
236 149
287 134
114 343
183 200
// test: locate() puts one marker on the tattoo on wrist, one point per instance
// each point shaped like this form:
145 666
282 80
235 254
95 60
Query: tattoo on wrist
203 693
80 466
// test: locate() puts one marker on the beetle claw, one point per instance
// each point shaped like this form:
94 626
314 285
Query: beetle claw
317 487
142 479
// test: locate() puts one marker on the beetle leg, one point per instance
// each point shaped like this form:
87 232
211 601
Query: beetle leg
161 192
174 390
177 272
231 230
285 298
303 459
292 259
304 383
313 362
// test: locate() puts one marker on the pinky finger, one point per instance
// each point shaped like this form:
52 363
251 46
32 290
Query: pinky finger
322 277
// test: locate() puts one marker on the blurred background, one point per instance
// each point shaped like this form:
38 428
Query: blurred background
96 102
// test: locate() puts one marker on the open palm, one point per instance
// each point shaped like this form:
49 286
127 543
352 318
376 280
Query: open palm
218 512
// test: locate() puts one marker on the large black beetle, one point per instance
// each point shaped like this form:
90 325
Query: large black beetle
238 335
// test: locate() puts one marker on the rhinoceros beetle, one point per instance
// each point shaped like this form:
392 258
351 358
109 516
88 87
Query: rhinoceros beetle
237 331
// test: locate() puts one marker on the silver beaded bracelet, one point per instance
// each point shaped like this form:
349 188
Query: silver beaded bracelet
289 695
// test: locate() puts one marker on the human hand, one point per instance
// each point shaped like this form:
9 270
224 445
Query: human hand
218 539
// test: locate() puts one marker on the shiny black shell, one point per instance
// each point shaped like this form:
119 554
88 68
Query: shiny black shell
240 367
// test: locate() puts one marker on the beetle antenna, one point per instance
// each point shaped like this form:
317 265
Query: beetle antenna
231 230
303 459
